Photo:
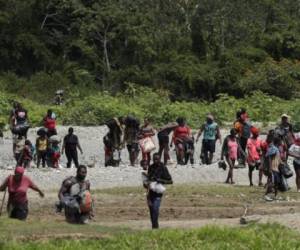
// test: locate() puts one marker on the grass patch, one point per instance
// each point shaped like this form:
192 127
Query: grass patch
268 236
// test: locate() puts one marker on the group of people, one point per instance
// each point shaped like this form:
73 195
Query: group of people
46 149
243 146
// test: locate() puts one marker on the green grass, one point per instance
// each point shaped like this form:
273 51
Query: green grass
268 236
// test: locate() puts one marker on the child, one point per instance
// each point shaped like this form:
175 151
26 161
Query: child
254 148
230 150
26 155
19 144
274 160
41 147
55 156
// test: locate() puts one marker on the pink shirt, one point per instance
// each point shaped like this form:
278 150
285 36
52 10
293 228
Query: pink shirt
253 147
18 191
232 149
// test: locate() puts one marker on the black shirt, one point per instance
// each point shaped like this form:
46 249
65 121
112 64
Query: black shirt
71 142
160 174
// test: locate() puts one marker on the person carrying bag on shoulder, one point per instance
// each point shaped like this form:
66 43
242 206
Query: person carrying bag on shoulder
158 176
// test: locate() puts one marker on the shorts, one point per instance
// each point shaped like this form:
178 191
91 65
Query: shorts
163 140
296 166
276 178
134 147
209 146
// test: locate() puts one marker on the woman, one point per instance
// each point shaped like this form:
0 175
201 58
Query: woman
146 131
230 151
18 185
157 173
183 140
163 140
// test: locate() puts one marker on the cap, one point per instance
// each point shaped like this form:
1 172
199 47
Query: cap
19 170
210 116
284 116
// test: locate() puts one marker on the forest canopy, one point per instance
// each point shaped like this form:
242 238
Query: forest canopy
193 49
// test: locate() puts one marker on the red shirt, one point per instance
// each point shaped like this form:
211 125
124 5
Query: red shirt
181 132
18 191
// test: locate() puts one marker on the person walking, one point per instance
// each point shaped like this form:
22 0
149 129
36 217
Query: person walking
211 133
158 174
18 185
70 145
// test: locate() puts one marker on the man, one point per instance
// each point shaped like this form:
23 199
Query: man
287 130
242 127
70 145
75 197
132 127
210 136
157 174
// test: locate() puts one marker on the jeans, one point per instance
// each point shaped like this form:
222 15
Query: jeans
154 204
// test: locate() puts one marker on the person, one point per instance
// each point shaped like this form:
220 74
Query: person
132 126
274 161
50 123
254 150
19 144
184 143
54 153
287 130
70 145
75 197
20 121
18 185
294 151
26 155
113 141
157 174
230 151
164 140
59 97
242 126
146 131
211 133
41 145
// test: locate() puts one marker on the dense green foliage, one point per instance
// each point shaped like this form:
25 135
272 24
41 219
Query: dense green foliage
192 48
269 236
141 102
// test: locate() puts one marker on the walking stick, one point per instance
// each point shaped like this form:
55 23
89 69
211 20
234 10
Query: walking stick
3 200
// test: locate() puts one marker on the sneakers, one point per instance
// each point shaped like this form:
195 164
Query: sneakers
268 198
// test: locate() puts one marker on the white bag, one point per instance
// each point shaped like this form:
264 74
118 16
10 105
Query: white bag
157 187
147 144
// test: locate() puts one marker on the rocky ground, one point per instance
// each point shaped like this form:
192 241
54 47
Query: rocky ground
125 175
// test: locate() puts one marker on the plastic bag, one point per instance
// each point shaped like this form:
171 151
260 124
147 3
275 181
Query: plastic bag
147 144
157 187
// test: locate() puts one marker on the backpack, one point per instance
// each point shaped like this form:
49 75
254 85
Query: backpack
246 131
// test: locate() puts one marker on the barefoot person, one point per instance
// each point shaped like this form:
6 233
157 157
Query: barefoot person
75 197
230 150
157 174
18 185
